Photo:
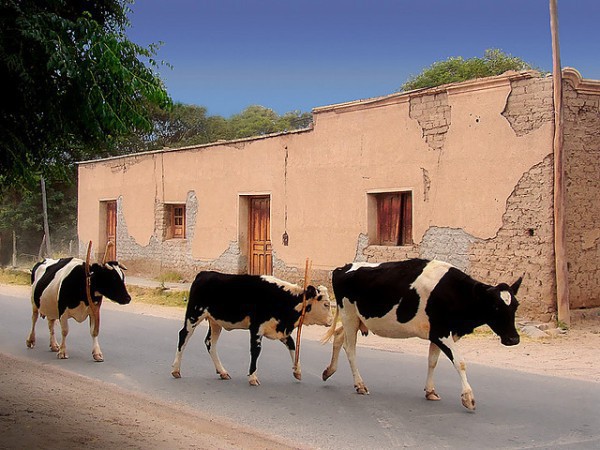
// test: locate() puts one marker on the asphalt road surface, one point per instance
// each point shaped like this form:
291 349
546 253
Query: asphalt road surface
514 410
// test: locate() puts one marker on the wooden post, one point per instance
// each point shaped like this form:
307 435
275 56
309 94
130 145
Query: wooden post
14 252
45 212
560 251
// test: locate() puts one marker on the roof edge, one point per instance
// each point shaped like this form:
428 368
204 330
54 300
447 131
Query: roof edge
400 97
195 147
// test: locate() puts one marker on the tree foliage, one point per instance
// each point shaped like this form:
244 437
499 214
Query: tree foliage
456 69
73 84
21 212
185 125
257 121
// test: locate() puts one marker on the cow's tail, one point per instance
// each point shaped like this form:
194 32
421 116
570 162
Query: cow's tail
332 329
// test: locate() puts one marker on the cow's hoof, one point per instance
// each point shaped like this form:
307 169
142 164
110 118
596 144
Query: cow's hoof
98 357
253 381
30 343
225 376
327 373
361 389
432 395
298 375
176 374
54 348
468 400
62 355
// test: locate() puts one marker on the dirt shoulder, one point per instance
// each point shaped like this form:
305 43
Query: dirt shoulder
45 407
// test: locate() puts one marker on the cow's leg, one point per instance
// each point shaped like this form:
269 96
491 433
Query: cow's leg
255 347
185 334
214 331
291 346
64 330
338 341
447 345
53 344
434 354
351 323
34 317
94 330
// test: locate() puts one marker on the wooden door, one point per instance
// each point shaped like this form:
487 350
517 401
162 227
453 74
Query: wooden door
260 251
111 231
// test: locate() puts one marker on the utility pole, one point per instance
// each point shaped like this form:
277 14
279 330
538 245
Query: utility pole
45 213
560 250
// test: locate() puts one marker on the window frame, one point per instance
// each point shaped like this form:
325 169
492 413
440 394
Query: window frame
175 221
391 218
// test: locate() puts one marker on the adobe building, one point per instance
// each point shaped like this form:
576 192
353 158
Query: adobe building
461 173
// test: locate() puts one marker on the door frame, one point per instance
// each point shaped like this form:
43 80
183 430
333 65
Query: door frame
245 228
106 206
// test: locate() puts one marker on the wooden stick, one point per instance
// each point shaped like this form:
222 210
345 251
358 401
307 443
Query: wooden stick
108 245
88 281
306 283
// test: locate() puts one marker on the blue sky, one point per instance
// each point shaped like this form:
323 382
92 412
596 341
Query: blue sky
297 55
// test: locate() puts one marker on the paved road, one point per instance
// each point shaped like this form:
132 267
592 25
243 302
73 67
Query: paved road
515 410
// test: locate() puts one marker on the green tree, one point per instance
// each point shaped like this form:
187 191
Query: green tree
73 84
190 125
294 120
257 120
456 69
21 212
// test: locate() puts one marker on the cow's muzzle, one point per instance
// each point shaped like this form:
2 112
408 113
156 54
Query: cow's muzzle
124 300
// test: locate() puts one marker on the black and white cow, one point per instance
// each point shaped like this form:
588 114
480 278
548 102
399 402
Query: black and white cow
418 298
263 304
58 292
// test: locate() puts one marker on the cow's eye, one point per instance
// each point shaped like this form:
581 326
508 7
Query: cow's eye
327 304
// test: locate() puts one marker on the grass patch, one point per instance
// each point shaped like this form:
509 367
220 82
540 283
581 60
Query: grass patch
170 277
158 296
15 276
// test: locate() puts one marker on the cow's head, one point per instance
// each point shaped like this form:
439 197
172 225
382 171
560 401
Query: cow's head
109 280
500 309
318 306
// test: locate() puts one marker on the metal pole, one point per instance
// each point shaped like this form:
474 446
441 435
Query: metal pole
560 250
45 212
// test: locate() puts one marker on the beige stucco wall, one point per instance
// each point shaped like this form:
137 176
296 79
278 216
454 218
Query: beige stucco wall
476 156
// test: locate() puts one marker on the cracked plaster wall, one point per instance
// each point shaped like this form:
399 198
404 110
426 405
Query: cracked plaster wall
162 255
582 166
524 243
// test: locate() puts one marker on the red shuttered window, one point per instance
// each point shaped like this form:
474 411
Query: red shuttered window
394 218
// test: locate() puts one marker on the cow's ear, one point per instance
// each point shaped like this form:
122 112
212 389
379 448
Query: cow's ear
311 292
515 287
